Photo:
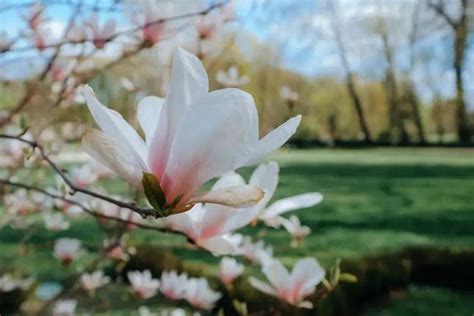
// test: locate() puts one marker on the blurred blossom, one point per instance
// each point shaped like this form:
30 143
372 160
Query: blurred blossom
231 77
99 35
61 68
229 270
181 156
200 295
266 178
55 222
65 307
67 249
287 94
256 252
9 282
143 284
173 286
292 287
297 231
12 152
206 224
83 176
92 281
41 37
206 26
35 16
18 203
77 33
116 250
145 311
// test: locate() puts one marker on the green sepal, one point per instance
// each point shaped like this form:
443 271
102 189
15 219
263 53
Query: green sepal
153 192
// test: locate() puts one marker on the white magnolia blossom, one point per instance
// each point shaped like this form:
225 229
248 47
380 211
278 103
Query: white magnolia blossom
173 285
266 178
77 33
229 270
18 203
143 284
231 77
298 232
35 16
83 176
256 252
9 282
200 295
65 307
55 222
100 35
12 152
292 287
287 94
92 281
208 224
67 249
179 150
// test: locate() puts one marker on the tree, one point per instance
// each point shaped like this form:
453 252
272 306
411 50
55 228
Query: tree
460 28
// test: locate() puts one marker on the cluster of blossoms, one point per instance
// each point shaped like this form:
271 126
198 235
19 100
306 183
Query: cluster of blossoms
195 291
9 282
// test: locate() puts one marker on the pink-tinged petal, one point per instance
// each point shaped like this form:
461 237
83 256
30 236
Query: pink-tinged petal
306 274
113 155
292 203
305 304
202 151
115 127
148 113
217 245
272 141
237 196
230 179
262 286
188 82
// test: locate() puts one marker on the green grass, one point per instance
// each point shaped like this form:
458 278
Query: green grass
376 200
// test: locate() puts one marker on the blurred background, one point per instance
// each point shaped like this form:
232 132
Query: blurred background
385 89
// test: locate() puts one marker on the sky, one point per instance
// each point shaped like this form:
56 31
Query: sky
301 32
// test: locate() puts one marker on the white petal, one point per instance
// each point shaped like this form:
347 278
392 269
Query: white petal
262 286
217 245
188 83
236 196
272 141
305 304
266 178
209 140
277 274
113 155
115 127
309 273
292 203
229 179
148 113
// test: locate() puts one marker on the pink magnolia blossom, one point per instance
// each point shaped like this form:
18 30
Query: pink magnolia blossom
100 35
55 222
206 26
143 284
18 203
83 176
229 270
292 287
65 307
298 232
200 295
147 15
266 178
92 281
207 224
179 150
231 77
35 16
67 249
256 252
173 285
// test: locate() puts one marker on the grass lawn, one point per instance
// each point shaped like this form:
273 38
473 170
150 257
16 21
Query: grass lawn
376 200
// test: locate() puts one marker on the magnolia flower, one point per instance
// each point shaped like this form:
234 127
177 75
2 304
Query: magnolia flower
61 69
206 26
287 94
173 286
35 16
83 176
207 224
92 281
145 311
297 231
41 38
148 15
55 222
256 252
18 203
65 307
67 249
266 178
9 283
229 270
291 287
116 250
77 33
4 41
100 35
200 295
143 284
181 153
231 78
